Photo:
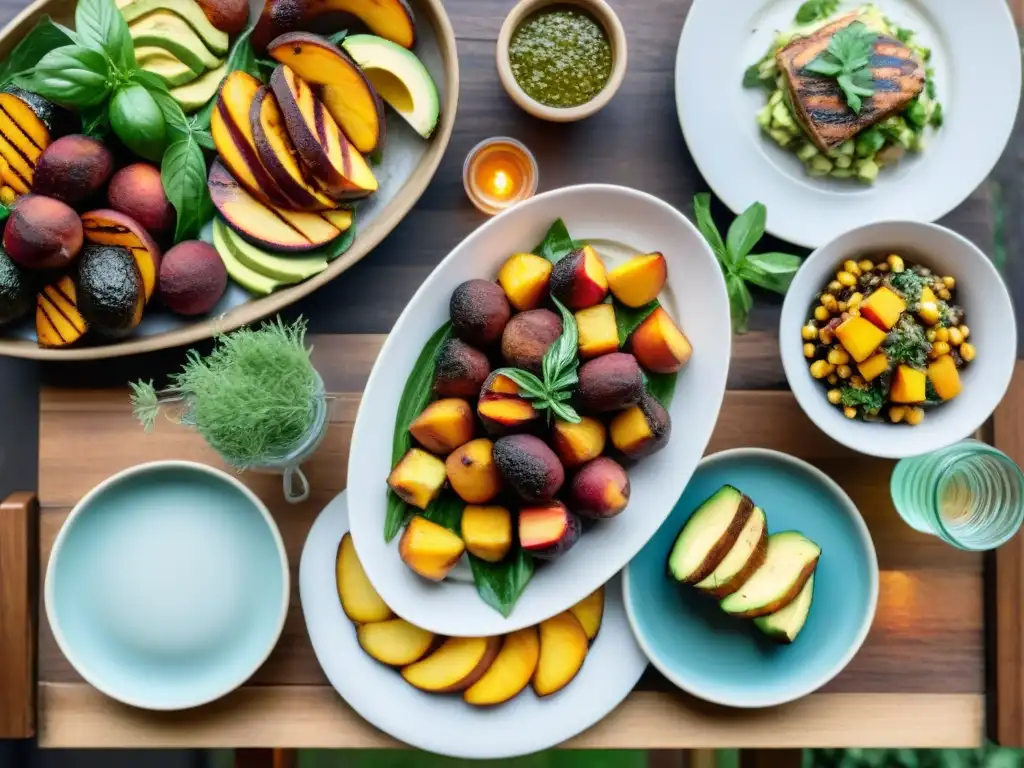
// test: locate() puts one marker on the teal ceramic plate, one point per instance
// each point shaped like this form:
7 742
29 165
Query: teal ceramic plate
726 660
168 585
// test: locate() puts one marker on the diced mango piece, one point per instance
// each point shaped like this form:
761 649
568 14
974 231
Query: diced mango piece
908 385
430 549
639 280
598 334
487 531
883 308
418 478
874 366
860 337
928 295
945 378
444 425
525 277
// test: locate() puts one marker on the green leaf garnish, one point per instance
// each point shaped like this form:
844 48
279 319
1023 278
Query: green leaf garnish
500 584
816 10
871 399
556 243
846 59
628 319
43 38
446 511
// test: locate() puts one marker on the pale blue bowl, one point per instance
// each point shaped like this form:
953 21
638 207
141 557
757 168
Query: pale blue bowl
726 660
168 585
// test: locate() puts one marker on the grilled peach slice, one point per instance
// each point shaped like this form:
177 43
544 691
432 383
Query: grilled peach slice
429 549
639 280
510 672
455 666
108 227
659 345
502 408
391 19
359 600
589 611
579 279
563 649
396 642
59 323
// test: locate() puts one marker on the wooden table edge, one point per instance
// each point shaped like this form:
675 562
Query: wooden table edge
19 528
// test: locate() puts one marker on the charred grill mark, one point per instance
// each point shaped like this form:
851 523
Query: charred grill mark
74 322
110 229
21 130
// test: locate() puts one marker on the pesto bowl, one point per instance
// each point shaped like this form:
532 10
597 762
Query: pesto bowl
988 311
619 222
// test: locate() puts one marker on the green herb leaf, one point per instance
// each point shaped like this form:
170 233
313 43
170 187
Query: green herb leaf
556 243
204 139
338 36
771 271
72 76
847 59
101 26
628 319
825 66
871 400
417 392
662 386
501 584
446 511
44 37
907 344
243 57
532 386
706 225
201 120
740 302
96 121
183 173
816 10
745 232
174 116
337 247
565 412
564 353
752 76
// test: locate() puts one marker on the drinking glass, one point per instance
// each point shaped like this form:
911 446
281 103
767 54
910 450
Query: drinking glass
970 495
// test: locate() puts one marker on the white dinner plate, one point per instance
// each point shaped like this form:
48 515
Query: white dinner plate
977 61
446 724
620 223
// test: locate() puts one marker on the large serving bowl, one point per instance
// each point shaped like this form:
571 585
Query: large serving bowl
408 165
989 314
619 222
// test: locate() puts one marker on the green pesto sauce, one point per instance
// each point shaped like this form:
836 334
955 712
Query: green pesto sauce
561 56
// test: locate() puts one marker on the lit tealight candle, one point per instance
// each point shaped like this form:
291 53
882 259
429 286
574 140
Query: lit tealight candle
499 173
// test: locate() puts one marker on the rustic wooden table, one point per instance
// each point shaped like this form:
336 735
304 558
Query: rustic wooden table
939 667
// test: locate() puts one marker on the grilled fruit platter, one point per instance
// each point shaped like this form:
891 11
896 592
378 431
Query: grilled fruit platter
168 172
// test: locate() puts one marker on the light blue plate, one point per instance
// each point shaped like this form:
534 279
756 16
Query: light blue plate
727 660
168 585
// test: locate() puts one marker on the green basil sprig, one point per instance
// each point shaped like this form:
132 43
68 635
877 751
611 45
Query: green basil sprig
771 271
100 26
847 59
72 76
554 387
44 37
816 10
556 243
628 319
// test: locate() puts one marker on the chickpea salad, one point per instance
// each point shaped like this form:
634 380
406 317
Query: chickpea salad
887 340
849 94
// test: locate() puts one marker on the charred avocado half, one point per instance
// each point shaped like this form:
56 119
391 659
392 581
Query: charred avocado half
110 293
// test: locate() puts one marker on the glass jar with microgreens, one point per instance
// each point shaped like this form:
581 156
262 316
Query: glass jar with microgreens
256 399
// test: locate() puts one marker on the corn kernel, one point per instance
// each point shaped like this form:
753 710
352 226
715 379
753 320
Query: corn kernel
944 294
845 278
6 195
808 350
949 282
967 352
826 335
928 311
832 379
820 369
882 266
857 382
838 356
849 412
955 337
930 335
843 306
844 371
896 413
940 348
851 266
828 301
965 331
895 263
854 312
821 314
855 300
835 396
942 334
834 287
866 265
809 332
915 416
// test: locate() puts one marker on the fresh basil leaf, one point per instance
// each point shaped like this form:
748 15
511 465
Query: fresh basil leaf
183 172
745 232
72 76
565 412
662 386
204 139
174 116
376 157
5 212
417 392
338 36
96 121
500 584
44 37
526 381
740 302
752 76
706 225
101 26
556 243
564 353
628 319
775 263
243 57
446 511
825 65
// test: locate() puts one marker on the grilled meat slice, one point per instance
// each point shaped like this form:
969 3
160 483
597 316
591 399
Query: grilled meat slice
818 101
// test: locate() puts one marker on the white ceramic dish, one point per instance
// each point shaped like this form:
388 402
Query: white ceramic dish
977 61
621 222
445 724
989 314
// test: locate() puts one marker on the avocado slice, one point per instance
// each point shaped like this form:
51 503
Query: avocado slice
189 10
399 77
169 69
790 561
251 280
784 625
709 534
196 93
284 269
169 31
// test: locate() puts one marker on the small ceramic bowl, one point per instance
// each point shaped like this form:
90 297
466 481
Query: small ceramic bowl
605 16
988 313
168 585
727 660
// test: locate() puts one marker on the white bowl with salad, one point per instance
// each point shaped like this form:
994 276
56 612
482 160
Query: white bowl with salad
838 114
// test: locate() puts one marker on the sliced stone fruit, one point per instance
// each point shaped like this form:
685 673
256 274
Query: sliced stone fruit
278 154
58 321
563 649
589 612
42 233
785 624
395 642
455 666
333 162
788 564
347 94
266 225
391 19
548 530
359 600
510 672
745 557
487 531
109 227
709 534
418 478
400 78
167 30
28 124
189 10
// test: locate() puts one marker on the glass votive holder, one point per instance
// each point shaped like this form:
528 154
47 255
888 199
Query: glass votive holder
498 173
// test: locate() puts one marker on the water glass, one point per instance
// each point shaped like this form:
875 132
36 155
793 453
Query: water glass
970 495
